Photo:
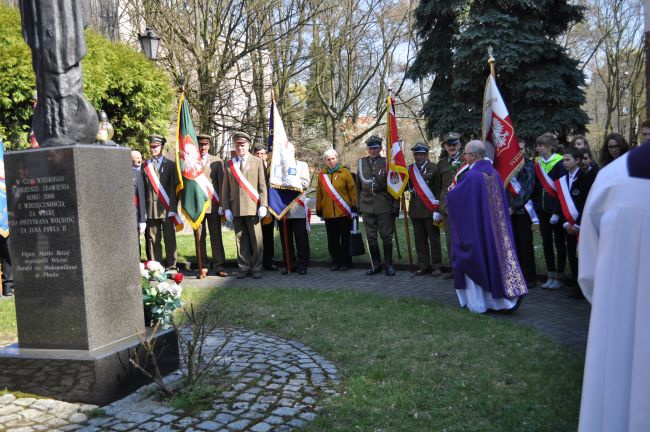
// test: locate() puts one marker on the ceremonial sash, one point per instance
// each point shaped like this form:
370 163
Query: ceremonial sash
160 191
338 200
422 189
461 169
307 213
569 209
243 183
515 188
545 180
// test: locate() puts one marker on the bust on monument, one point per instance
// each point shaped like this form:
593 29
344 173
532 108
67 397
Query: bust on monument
54 30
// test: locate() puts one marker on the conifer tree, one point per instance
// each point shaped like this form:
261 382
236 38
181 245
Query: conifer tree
541 85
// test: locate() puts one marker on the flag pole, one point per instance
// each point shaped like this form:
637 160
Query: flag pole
406 226
388 143
285 239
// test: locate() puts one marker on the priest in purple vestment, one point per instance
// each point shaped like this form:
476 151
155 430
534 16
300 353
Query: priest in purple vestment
487 274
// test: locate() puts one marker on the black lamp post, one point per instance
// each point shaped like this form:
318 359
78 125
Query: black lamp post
150 42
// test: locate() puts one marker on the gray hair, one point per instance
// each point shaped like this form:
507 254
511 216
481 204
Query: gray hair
477 147
329 153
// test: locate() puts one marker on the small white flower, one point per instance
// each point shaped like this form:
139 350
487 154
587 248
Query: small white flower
163 287
155 266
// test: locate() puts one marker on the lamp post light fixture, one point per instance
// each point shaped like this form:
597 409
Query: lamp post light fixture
150 42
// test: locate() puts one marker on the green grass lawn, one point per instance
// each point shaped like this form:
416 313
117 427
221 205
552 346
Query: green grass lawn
318 247
408 365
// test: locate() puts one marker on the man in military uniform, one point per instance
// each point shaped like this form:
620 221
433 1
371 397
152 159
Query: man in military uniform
244 200
447 168
213 169
377 207
160 180
425 189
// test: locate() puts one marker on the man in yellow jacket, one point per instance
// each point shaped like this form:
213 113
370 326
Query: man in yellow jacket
336 203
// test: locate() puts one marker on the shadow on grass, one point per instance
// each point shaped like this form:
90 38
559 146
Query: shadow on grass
409 365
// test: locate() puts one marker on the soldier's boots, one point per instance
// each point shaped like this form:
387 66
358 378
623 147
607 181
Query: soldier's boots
388 260
376 264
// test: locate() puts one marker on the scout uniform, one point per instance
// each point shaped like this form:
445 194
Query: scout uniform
378 208
424 190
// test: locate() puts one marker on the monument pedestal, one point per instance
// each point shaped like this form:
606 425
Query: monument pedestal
77 283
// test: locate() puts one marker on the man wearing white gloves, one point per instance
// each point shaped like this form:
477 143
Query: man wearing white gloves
244 201
160 181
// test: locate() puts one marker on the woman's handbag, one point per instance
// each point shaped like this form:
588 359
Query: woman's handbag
356 241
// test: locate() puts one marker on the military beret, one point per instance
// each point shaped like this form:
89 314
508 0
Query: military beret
374 141
420 148
451 138
157 139
200 137
241 135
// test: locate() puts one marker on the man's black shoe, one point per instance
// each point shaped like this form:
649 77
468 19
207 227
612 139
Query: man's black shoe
376 270
302 272
271 267
284 271
344 268
335 267
390 271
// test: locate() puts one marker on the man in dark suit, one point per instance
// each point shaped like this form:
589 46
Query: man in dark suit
212 169
268 223
160 180
138 186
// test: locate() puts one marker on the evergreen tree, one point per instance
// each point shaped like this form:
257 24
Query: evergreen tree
540 84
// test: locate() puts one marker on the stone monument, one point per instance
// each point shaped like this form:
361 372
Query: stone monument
74 243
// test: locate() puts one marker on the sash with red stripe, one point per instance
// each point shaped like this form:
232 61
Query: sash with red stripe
243 183
461 169
422 189
569 209
336 197
160 191
545 180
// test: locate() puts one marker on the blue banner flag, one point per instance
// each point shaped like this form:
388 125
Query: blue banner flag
4 217
285 186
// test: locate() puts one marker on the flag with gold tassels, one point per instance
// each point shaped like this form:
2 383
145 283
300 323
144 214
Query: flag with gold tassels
398 176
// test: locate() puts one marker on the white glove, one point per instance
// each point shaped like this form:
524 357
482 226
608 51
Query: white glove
437 217
171 214
142 227
228 215
354 215
554 219
220 211
576 227
262 212
565 225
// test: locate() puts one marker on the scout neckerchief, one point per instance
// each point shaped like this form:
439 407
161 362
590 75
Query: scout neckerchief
160 190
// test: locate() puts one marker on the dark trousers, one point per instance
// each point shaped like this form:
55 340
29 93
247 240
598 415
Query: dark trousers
156 230
7 275
296 234
267 240
213 222
338 239
427 243
552 241
572 254
521 228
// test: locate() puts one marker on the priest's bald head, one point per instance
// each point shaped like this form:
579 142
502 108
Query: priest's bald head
474 151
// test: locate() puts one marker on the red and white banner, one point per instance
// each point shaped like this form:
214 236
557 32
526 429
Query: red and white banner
243 183
501 142
545 180
396 163
161 192
422 189
336 197
569 209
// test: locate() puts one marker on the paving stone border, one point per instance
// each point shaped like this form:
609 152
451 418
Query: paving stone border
277 385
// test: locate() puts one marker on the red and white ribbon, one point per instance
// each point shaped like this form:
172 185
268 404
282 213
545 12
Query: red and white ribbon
243 183
569 209
515 187
461 169
160 191
336 197
422 189
545 180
